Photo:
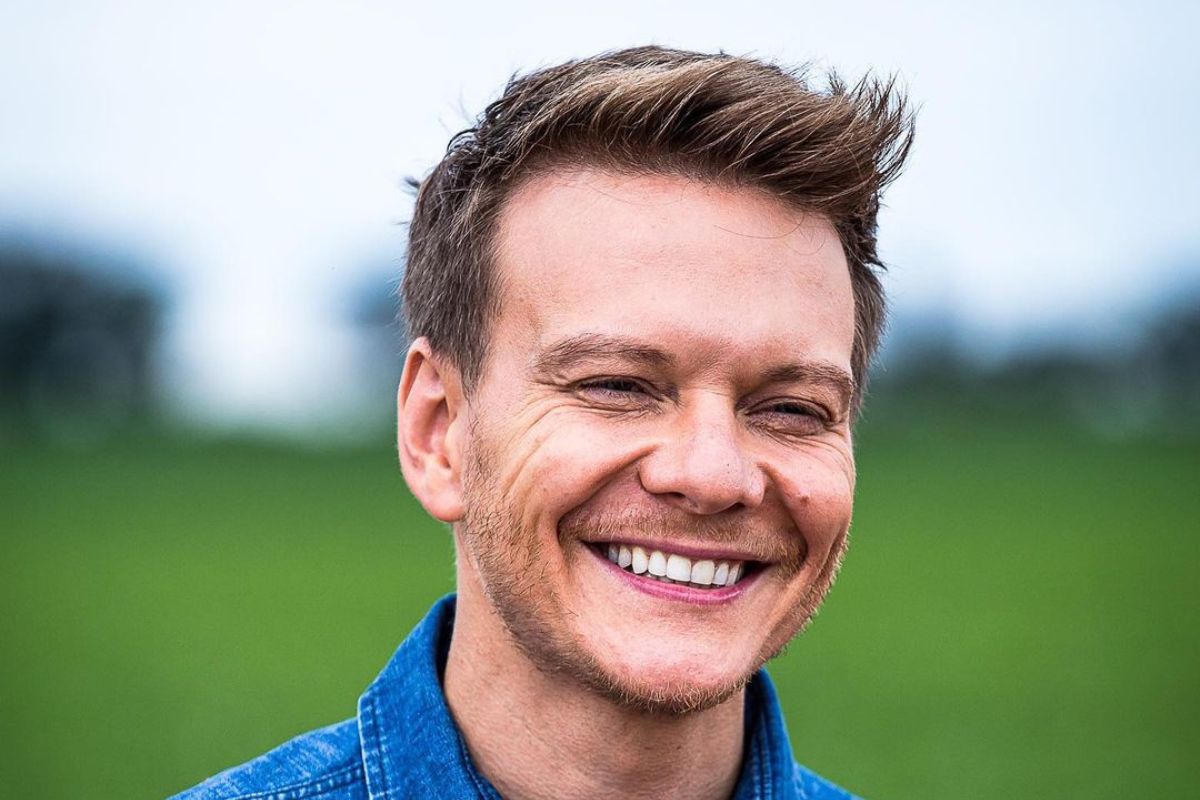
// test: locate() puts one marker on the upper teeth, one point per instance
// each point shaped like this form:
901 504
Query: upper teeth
674 567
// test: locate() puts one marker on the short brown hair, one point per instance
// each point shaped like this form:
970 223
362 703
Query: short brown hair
715 118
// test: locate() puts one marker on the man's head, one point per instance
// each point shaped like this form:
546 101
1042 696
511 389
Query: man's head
642 299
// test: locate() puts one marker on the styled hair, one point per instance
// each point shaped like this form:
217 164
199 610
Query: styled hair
722 119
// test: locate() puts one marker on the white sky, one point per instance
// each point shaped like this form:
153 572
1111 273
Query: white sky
255 151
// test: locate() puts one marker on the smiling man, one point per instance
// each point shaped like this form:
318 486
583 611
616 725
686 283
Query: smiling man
642 296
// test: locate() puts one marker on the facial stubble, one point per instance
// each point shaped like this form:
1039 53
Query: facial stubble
510 562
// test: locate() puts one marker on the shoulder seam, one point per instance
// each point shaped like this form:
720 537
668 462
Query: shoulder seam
314 787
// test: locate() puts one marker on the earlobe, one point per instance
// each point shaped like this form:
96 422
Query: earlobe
429 406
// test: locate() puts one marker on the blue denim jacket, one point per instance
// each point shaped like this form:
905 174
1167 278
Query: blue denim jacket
404 743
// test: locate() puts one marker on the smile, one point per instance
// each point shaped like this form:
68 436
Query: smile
674 568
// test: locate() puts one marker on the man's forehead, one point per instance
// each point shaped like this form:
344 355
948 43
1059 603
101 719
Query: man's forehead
663 259
587 195
557 225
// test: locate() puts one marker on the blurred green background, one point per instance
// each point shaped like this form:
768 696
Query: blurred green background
1017 616
206 546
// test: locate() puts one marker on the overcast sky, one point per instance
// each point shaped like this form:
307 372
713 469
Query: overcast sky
254 151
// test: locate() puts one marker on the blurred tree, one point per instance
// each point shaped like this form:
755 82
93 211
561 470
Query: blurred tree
1147 385
77 340
1175 347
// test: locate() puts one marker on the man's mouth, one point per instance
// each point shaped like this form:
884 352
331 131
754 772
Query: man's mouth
667 567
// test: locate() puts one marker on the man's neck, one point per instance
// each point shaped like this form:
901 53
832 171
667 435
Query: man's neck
536 736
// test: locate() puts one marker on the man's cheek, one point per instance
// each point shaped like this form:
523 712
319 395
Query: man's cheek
828 525
820 506
567 468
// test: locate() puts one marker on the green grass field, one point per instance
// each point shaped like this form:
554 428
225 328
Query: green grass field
1018 616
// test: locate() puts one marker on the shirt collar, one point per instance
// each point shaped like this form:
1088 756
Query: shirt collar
410 744
412 748
768 768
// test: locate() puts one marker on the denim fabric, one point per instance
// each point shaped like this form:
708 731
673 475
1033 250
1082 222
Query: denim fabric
404 743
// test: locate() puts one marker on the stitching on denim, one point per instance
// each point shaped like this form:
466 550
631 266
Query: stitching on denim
380 746
297 791
766 748
799 780
362 756
801 792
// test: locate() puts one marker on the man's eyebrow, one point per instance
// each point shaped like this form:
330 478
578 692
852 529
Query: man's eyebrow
593 346
821 373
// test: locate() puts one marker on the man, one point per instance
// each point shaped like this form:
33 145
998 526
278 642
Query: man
642 300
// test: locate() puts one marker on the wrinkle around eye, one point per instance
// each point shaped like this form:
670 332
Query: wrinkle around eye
536 422
840 448
794 432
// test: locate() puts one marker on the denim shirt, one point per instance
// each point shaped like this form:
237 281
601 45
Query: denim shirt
404 743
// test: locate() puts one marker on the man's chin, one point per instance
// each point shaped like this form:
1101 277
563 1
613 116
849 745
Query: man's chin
664 688
670 698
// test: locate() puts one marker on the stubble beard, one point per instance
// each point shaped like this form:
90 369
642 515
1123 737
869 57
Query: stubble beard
506 558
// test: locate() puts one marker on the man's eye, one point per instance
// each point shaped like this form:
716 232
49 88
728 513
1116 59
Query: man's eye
613 387
795 417
621 393
794 408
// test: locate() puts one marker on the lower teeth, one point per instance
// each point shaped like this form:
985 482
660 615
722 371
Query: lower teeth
665 579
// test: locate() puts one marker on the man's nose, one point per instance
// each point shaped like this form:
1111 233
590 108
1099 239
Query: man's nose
702 465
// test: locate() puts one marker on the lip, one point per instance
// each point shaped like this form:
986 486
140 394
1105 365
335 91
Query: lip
689 551
674 591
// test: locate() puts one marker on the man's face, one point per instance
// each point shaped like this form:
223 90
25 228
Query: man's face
669 378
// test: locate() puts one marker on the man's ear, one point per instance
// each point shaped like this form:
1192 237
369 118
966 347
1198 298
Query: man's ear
430 412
